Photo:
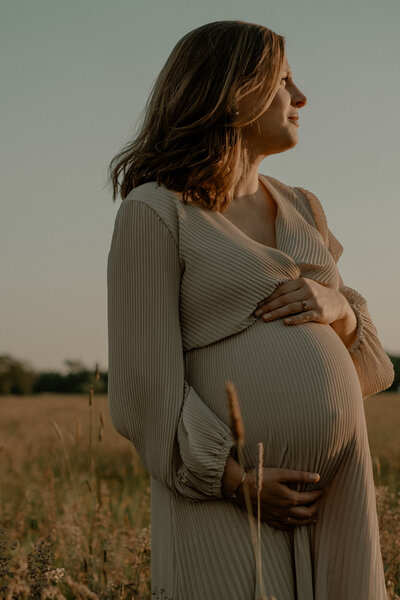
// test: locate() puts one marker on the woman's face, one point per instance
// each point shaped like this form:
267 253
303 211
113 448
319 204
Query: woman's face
276 130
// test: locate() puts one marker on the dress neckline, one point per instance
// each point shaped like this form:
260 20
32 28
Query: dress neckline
263 179
275 197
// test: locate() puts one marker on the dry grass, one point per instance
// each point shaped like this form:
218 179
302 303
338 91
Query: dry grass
67 474
92 498
383 418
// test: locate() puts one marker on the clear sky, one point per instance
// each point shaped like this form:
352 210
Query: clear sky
74 78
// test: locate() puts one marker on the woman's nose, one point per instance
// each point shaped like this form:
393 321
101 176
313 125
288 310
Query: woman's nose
298 98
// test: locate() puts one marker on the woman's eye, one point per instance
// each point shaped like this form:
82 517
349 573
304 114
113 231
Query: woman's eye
285 79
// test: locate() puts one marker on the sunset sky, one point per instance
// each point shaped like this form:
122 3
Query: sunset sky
74 78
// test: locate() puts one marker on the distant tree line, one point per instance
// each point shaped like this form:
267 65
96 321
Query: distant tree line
17 377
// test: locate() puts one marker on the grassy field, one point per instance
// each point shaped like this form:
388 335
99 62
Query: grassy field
74 499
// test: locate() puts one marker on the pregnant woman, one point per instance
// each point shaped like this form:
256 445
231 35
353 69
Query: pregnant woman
201 241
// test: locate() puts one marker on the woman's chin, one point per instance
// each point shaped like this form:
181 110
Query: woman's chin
287 146
292 142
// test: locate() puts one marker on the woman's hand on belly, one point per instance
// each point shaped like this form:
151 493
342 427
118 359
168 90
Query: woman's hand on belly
281 506
302 300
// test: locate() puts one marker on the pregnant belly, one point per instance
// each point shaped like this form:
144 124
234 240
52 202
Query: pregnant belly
298 389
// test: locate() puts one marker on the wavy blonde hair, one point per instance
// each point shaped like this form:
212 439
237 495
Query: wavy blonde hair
191 139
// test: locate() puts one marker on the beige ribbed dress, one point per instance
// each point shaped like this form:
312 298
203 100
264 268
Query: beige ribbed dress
183 283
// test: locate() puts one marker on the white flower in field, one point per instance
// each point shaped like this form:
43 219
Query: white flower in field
55 575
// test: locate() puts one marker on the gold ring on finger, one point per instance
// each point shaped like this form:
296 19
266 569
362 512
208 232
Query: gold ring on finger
288 519
304 303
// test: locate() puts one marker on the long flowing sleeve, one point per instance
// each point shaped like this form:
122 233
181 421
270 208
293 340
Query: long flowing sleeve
181 442
374 368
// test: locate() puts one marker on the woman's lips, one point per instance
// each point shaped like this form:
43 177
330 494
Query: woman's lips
294 120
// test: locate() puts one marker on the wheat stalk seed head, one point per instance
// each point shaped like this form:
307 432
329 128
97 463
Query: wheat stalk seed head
260 466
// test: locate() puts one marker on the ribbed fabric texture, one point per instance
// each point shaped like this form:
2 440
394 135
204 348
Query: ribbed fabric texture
183 283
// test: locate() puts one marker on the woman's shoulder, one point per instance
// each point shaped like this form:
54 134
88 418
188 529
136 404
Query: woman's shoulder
316 209
309 205
304 201
160 200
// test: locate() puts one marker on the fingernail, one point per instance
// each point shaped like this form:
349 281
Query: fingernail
266 316
314 476
288 320
258 313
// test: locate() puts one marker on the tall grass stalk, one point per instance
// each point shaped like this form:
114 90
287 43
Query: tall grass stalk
101 426
238 434
66 456
259 483
90 437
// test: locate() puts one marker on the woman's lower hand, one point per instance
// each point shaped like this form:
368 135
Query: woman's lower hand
281 506
302 300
